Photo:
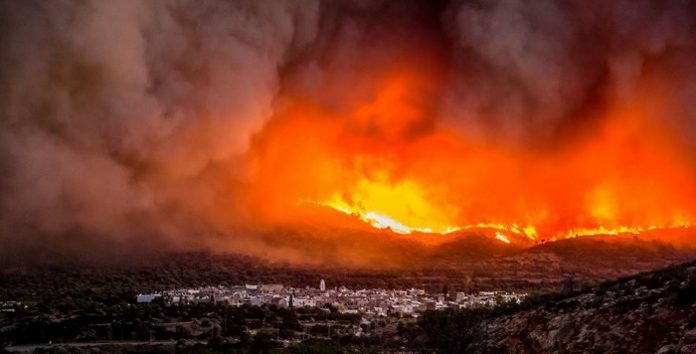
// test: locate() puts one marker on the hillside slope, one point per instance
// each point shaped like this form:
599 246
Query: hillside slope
652 312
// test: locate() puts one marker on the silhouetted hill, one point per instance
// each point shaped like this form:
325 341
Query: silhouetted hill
653 312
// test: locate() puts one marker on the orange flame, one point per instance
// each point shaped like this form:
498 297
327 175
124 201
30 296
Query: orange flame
383 157
502 237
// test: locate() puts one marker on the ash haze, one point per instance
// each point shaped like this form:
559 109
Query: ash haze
143 125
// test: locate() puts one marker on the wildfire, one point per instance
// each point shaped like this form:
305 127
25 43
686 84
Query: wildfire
381 158
384 222
502 237
620 230
528 231
401 208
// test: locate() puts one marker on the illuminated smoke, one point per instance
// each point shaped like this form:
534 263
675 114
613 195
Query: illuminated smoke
191 123
122 118
537 70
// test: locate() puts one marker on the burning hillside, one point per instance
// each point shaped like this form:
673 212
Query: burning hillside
188 124
387 159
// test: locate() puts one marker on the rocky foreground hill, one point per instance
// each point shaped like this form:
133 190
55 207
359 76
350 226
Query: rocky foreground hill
652 312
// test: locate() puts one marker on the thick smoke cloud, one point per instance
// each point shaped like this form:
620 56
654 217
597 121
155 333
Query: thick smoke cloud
113 113
131 120
532 70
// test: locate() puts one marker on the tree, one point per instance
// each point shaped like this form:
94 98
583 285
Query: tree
261 344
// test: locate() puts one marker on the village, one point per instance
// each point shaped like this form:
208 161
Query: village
369 303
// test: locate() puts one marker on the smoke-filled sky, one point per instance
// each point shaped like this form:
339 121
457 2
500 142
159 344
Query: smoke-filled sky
186 124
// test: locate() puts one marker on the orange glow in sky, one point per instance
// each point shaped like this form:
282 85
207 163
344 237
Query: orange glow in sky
381 155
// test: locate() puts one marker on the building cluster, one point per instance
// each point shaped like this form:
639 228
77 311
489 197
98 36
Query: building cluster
368 302
11 306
